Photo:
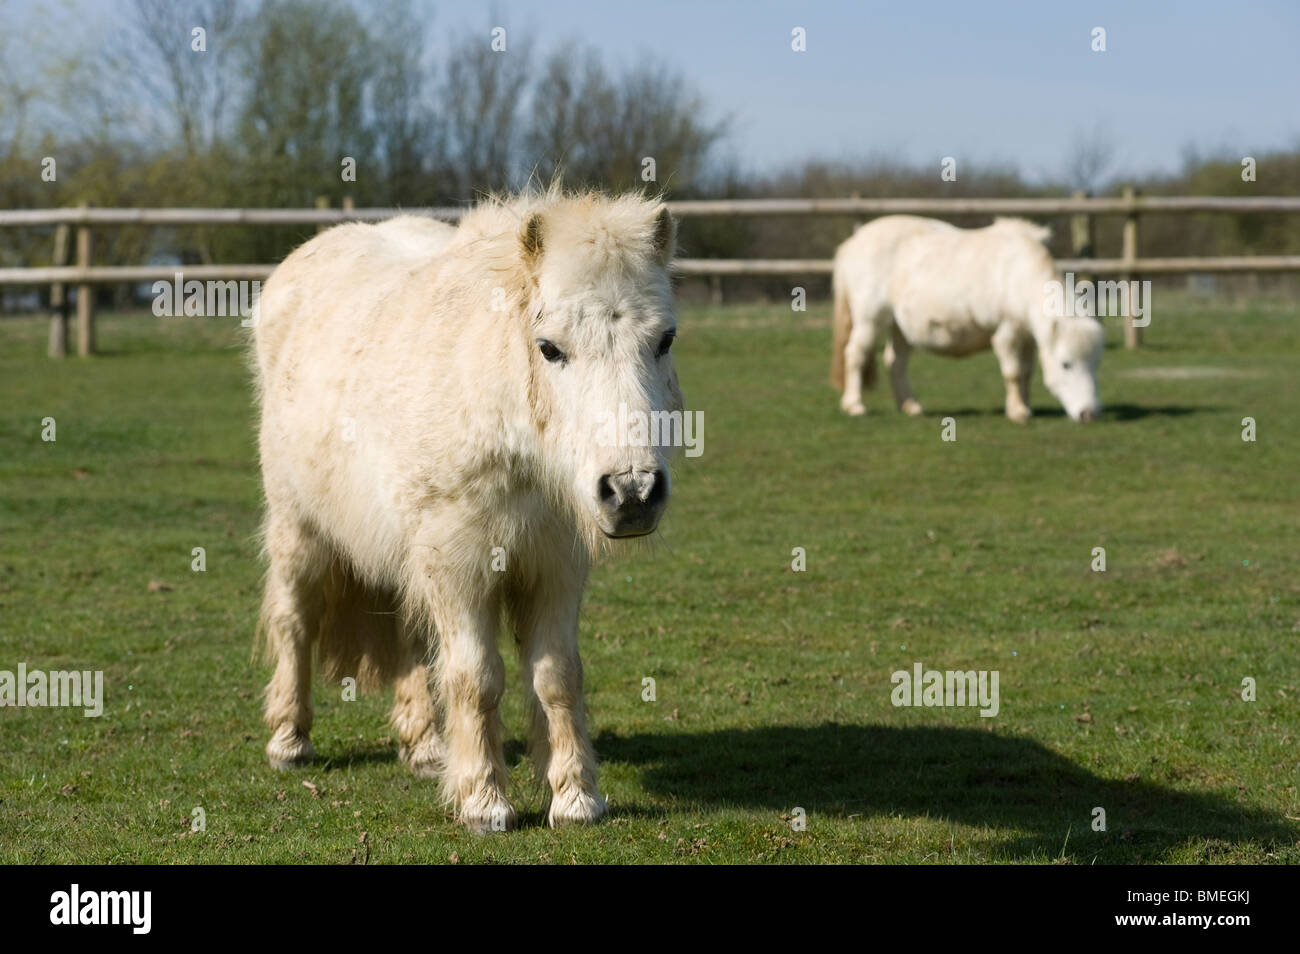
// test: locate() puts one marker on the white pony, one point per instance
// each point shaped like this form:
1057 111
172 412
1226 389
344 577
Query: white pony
927 284
429 404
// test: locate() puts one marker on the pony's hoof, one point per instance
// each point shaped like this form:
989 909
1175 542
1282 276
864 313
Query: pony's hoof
487 813
576 807
853 408
1020 415
912 408
289 748
424 759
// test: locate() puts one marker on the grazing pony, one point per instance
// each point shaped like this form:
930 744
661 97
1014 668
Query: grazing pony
927 284
432 405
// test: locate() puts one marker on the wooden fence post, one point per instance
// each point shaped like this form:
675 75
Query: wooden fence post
59 297
85 294
1081 241
715 290
322 202
859 219
1132 333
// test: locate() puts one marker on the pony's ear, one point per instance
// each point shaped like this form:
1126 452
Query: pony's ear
665 235
530 240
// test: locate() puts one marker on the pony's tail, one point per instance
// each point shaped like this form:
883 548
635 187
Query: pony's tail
360 635
841 326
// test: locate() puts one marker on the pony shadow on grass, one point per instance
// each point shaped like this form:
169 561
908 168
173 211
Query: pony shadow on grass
1133 412
1112 412
971 776
990 411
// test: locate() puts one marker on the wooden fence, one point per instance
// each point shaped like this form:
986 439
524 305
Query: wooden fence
84 273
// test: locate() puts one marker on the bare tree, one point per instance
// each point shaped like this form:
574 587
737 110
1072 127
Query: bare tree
601 129
167 79
482 94
405 127
1090 159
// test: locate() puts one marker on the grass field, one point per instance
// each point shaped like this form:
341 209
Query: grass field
1119 689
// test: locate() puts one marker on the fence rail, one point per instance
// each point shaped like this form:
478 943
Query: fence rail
694 267
1093 266
84 274
1116 205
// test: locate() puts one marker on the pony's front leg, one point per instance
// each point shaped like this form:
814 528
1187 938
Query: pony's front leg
1009 348
547 622
1028 353
471 680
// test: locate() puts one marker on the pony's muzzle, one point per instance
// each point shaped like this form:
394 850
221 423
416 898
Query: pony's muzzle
632 502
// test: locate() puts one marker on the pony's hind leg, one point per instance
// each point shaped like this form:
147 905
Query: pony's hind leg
898 351
414 715
291 613
859 366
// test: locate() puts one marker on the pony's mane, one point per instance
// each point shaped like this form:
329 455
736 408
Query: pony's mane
1081 336
1039 233
610 231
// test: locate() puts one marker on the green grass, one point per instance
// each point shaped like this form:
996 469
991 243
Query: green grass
1119 690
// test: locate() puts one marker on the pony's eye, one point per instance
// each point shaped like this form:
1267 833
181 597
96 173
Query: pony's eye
1065 365
665 343
549 351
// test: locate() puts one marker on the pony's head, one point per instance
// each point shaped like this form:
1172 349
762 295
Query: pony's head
601 326
1070 352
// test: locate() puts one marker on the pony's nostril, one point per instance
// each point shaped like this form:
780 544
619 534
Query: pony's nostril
658 491
608 494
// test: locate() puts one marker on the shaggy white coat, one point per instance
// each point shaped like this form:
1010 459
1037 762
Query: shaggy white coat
428 472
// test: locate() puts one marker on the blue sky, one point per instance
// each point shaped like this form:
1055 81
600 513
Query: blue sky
977 80
1013 82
